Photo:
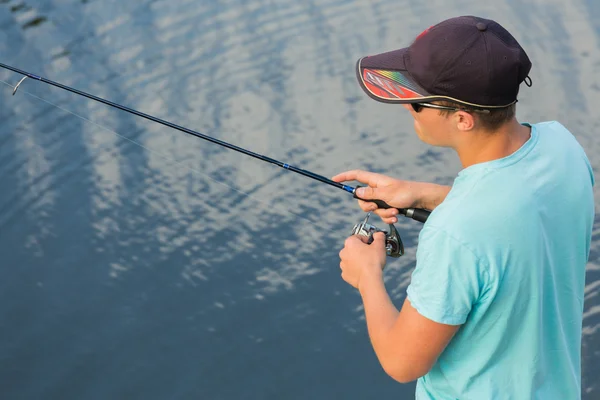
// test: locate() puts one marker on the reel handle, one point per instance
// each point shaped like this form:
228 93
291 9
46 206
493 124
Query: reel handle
393 242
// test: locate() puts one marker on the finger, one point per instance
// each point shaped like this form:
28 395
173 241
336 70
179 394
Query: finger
347 242
378 237
346 176
392 220
363 239
369 178
386 212
389 216
367 206
351 241
367 193
368 203
378 240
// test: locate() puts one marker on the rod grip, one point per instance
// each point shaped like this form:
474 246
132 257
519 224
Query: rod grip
418 214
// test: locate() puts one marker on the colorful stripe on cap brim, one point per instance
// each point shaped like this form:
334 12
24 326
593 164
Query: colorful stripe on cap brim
389 86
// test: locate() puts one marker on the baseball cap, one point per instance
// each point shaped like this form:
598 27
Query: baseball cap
467 60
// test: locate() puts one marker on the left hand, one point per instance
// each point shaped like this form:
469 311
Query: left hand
359 258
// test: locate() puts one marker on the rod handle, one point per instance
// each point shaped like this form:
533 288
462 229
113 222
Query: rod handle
418 214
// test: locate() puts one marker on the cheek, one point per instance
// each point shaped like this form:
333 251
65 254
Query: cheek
416 125
426 130
421 133
418 128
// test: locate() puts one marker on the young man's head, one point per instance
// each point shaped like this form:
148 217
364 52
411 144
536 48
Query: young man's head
462 74
444 123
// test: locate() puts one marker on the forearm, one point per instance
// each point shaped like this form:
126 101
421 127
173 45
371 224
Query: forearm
432 195
381 314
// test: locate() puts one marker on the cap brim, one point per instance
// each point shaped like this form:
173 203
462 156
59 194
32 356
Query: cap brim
388 81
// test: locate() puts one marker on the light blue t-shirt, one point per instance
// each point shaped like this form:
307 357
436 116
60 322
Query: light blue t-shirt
504 256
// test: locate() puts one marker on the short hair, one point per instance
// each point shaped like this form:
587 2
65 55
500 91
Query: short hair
490 122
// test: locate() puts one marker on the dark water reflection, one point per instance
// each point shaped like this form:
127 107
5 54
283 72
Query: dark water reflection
150 264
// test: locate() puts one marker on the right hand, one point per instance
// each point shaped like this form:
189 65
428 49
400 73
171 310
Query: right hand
395 192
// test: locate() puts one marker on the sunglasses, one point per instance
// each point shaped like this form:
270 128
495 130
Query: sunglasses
419 106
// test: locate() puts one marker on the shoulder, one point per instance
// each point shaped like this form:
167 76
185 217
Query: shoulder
555 132
549 126
555 136
478 213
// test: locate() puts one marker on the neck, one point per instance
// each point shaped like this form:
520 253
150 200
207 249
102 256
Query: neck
482 146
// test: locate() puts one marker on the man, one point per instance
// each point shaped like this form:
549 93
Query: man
494 307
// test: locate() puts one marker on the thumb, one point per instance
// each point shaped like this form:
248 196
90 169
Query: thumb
378 240
367 193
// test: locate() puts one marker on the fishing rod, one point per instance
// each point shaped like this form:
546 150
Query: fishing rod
418 214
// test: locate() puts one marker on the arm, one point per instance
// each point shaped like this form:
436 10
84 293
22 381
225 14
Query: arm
448 279
406 343
432 195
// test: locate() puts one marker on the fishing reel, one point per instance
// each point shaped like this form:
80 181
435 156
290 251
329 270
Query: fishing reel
393 242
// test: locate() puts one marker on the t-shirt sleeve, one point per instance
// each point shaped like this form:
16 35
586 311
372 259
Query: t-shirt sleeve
447 280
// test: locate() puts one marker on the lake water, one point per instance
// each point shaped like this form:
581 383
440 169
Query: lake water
140 262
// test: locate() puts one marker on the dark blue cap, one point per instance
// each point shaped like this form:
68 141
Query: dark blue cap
468 60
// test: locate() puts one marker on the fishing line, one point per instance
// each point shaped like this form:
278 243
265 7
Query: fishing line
267 205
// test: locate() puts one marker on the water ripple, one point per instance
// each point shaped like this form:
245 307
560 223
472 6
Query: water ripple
151 253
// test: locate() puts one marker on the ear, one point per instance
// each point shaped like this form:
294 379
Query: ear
464 121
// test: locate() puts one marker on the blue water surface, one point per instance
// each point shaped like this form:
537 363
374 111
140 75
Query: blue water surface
137 262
